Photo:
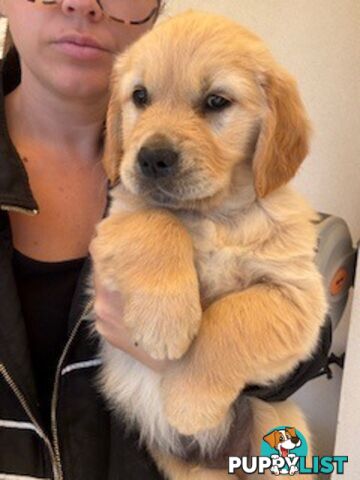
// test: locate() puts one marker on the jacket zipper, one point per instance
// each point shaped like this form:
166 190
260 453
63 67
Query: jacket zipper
23 403
56 388
12 208
54 452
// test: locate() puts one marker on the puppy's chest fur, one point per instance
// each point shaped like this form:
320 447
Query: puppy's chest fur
224 262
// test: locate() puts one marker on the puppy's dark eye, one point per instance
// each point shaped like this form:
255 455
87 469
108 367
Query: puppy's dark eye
140 97
216 102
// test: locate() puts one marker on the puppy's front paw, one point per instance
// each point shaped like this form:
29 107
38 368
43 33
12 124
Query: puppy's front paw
157 279
293 470
164 324
275 470
191 408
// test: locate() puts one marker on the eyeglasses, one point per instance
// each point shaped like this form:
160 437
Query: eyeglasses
132 12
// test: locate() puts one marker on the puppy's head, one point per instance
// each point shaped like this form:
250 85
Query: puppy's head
196 101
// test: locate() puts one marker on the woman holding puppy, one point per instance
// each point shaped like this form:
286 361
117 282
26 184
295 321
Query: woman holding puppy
53 190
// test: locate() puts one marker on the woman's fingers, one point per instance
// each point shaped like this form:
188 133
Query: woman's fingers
108 304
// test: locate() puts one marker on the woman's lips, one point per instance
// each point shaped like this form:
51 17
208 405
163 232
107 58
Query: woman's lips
81 47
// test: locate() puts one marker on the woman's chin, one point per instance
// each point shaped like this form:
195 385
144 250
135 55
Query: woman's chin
81 87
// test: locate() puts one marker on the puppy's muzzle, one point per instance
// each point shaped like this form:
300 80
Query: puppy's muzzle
158 162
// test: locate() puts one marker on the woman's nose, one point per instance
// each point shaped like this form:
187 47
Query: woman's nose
85 8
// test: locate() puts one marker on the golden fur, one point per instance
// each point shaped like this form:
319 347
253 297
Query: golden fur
217 266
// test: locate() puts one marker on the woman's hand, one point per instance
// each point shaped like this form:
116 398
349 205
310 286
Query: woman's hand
108 310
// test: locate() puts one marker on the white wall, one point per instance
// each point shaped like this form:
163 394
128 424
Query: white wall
319 42
349 421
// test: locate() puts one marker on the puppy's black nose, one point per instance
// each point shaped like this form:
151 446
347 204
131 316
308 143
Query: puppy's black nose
295 439
157 162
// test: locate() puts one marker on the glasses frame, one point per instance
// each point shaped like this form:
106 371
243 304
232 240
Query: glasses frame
152 15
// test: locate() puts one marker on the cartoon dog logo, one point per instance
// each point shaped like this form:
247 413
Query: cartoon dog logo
283 441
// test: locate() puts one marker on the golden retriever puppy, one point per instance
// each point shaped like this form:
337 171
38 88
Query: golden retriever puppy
211 248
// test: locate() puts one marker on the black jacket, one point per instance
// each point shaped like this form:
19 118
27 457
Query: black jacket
88 442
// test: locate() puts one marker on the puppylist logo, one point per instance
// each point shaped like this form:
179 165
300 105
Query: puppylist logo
283 452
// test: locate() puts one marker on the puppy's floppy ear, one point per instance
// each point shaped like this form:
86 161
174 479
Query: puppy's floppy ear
292 431
113 149
284 136
271 438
